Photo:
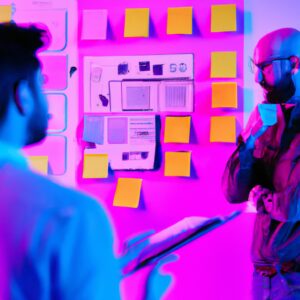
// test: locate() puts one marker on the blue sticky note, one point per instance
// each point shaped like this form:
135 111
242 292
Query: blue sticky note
268 114
93 131
117 130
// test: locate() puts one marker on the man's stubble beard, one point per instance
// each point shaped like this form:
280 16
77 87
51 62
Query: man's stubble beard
282 93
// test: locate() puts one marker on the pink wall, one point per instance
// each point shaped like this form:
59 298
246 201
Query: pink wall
217 266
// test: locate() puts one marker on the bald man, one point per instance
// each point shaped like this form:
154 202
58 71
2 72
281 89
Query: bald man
265 167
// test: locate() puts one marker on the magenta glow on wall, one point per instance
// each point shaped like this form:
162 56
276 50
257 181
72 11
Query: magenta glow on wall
217 266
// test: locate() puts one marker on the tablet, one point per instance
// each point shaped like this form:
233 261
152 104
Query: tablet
170 239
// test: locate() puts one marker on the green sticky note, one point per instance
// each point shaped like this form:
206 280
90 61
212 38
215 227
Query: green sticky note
268 113
136 22
95 166
223 64
5 13
128 192
177 129
223 18
178 164
39 163
223 129
180 20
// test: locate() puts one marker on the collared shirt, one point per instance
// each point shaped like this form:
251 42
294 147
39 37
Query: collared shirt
274 164
10 154
55 242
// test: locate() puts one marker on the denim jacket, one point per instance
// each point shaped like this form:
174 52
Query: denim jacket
273 163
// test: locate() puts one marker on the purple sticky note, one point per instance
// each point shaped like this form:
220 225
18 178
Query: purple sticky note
117 130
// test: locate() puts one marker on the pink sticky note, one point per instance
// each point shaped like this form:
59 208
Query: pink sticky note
94 24
54 70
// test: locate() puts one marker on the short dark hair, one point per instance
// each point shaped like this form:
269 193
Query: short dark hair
18 60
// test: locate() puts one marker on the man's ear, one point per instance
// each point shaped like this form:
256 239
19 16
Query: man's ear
295 64
22 97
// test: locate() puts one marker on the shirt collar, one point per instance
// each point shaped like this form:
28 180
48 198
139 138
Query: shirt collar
294 119
13 155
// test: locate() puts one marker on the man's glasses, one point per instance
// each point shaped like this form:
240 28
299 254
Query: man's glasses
264 66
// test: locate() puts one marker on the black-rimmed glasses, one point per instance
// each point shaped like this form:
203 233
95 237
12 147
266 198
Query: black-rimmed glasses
263 66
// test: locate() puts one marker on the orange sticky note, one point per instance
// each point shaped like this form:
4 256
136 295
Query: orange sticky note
177 130
224 94
178 164
136 22
223 64
223 18
223 129
128 192
180 20
39 163
5 13
95 166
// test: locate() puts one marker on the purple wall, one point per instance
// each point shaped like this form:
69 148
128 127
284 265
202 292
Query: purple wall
217 266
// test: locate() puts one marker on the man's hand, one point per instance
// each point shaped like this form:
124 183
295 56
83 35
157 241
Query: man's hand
260 198
156 282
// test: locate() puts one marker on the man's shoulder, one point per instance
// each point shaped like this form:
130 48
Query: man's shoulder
41 189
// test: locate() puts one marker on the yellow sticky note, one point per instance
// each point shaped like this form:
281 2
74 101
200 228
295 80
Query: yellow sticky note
39 163
223 18
5 13
177 130
180 20
223 129
136 22
224 94
128 192
178 164
223 64
95 166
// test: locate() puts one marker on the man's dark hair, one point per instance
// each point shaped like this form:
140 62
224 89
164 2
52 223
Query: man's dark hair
18 61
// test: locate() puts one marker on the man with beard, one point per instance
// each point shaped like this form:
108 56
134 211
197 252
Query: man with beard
265 167
55 243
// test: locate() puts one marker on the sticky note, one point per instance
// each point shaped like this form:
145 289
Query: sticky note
39 163
55 147
95 165
5 13
177 129
94 24
223 129
128 192
223 18
117 130
224 94
136 22
178 164
223 64
180 20
268 113
93 129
